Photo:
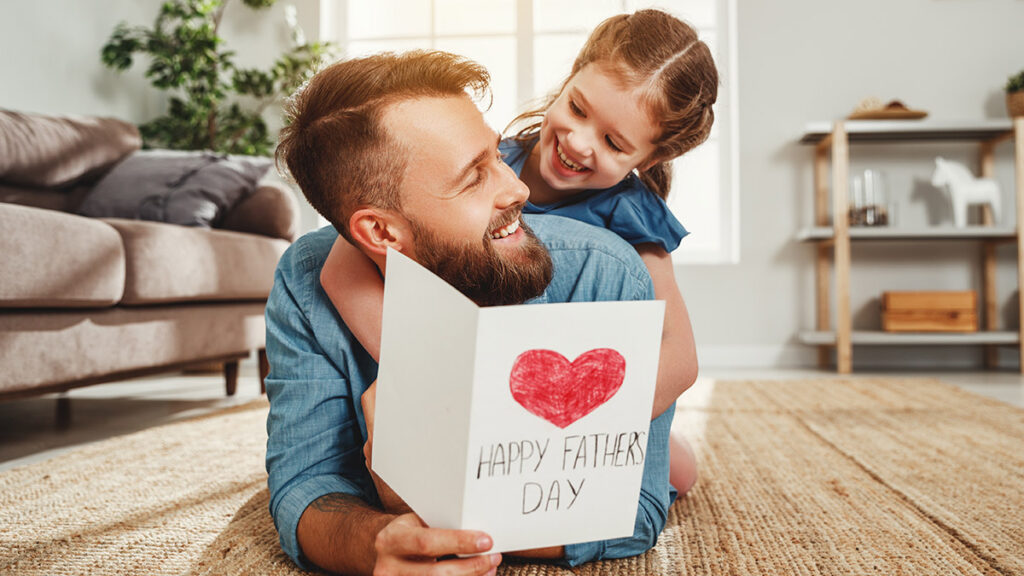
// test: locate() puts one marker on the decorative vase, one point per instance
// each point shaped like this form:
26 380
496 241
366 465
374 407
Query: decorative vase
1015 103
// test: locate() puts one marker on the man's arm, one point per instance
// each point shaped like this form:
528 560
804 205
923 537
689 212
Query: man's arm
312 426
322 498
341 534
337 533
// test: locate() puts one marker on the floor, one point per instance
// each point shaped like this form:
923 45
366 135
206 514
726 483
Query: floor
28 430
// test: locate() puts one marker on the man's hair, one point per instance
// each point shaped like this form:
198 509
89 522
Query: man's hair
335 146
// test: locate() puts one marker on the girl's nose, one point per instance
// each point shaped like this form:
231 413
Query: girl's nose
579 145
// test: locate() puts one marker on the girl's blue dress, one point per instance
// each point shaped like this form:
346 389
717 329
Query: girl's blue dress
628 209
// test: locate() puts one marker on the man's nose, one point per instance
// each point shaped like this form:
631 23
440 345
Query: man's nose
513 190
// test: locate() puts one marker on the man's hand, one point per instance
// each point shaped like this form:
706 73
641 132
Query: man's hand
408 546
341 533
391 501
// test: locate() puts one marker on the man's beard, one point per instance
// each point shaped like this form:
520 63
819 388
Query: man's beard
487 276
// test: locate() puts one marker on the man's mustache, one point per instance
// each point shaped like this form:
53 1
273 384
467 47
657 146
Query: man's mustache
506 217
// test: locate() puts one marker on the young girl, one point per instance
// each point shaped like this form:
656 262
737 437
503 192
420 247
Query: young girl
639 95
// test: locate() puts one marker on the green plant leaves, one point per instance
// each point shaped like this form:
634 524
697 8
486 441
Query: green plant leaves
213 104
1015 83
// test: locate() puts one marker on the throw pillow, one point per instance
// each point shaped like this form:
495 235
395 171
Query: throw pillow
178 187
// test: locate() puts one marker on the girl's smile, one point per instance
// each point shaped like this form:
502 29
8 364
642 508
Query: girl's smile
564 163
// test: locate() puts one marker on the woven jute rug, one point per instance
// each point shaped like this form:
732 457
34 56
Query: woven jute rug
835 476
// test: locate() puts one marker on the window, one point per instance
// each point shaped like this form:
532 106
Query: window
529 46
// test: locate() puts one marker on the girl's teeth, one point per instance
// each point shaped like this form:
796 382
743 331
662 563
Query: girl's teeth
566 162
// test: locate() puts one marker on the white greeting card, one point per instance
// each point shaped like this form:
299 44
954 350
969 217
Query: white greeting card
527 422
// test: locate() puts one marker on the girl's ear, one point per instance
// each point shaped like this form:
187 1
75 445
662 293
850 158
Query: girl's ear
374 230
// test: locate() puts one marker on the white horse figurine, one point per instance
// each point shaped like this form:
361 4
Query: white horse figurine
964 189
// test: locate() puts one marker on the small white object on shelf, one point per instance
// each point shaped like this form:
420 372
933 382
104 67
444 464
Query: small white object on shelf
964 189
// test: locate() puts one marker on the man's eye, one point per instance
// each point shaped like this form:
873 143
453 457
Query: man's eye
611 144
481 175
576 109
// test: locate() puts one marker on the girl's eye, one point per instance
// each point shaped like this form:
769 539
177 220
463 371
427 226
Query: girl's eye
576 109
611 144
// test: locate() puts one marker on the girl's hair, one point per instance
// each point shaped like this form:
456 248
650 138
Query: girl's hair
662 56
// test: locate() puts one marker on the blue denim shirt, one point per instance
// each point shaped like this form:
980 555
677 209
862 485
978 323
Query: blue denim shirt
319 371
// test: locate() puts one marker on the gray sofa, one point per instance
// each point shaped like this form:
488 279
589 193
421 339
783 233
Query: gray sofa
89 300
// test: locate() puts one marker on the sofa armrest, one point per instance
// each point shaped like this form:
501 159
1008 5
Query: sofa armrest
44 151
270 210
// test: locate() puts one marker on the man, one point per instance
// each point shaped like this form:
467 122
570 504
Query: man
394 152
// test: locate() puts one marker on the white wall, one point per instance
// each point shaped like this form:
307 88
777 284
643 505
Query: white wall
808 60
799 61
51 59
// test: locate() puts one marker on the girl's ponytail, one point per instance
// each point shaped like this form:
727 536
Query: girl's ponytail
658 178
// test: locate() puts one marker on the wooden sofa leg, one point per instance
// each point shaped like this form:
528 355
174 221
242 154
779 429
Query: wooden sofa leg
63 411
264 369
231 377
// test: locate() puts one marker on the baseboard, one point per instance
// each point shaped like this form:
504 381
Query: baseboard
786 356
802 356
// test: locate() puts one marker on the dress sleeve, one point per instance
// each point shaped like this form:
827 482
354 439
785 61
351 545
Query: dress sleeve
314 444
638 216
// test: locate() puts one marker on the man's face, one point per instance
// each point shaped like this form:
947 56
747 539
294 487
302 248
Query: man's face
464 204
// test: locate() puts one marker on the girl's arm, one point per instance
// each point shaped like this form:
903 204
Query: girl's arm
677 368
353 284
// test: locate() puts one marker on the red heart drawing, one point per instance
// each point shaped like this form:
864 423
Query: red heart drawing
548 385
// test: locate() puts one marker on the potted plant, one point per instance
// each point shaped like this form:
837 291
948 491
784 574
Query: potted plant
1015 94
214 104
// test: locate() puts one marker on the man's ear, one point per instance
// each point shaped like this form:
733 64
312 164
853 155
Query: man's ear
374 230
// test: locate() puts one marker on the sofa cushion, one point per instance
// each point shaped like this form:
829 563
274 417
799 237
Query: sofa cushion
174 186
57 151
270 210
168 263
57 260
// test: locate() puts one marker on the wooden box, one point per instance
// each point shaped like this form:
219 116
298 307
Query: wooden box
930 311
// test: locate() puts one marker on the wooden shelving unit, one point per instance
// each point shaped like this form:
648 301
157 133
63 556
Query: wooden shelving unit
903 339
832 240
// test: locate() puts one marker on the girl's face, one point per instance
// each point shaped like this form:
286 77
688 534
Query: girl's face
595 133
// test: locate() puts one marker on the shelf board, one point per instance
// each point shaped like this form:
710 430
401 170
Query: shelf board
890 233
910 130
879 338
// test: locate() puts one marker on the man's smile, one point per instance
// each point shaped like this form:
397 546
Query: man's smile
506 230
